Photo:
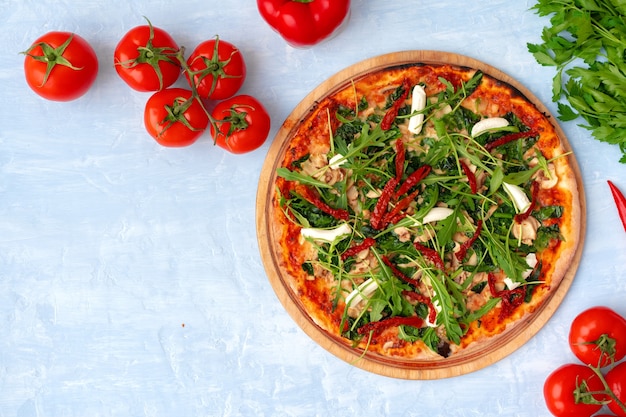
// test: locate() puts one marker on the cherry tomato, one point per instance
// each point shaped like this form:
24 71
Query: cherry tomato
174 118
616 380
60 66
598 337
146 58
242 122
218 69
567 391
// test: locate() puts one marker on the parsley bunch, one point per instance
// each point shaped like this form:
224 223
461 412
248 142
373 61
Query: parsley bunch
586 43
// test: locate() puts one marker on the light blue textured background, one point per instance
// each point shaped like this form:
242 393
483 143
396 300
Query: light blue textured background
130 278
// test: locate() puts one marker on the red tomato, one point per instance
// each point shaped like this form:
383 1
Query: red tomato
173 118
616 380
567 391
60 66
242 122
146 58
598 336
218 69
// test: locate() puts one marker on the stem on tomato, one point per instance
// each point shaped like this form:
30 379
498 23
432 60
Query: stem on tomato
214 67
176 113
51 56
607 389
236 119
180 56
151 55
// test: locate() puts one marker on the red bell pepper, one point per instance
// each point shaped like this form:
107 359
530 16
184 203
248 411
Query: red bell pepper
620 202
304 23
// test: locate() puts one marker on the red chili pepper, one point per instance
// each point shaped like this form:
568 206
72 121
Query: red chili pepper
304 22
413 179
460 255
392 113
420 298
471 177
509 138
533 202
377 327
399 274
430 254
620 202
366 244
400 157
511 299
314 199
376 219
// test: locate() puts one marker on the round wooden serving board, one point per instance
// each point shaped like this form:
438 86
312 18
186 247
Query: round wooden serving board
455 365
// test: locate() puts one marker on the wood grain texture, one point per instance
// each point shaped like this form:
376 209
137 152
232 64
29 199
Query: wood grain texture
463 363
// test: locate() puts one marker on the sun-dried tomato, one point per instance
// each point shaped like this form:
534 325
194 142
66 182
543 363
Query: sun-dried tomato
366 244
397 213
471 177
511 299
376 219
460 255
377 327
431 255
312 197
399 274
533 202
400 158
413 179
509 138
421 298
392 113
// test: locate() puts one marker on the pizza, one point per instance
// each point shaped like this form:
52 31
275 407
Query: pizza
422 211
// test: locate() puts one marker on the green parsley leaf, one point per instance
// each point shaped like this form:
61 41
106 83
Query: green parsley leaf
585 42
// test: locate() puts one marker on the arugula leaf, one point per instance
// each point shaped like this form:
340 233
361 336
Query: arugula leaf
585 42
446 316
301 178
448 227
427 334
476 315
